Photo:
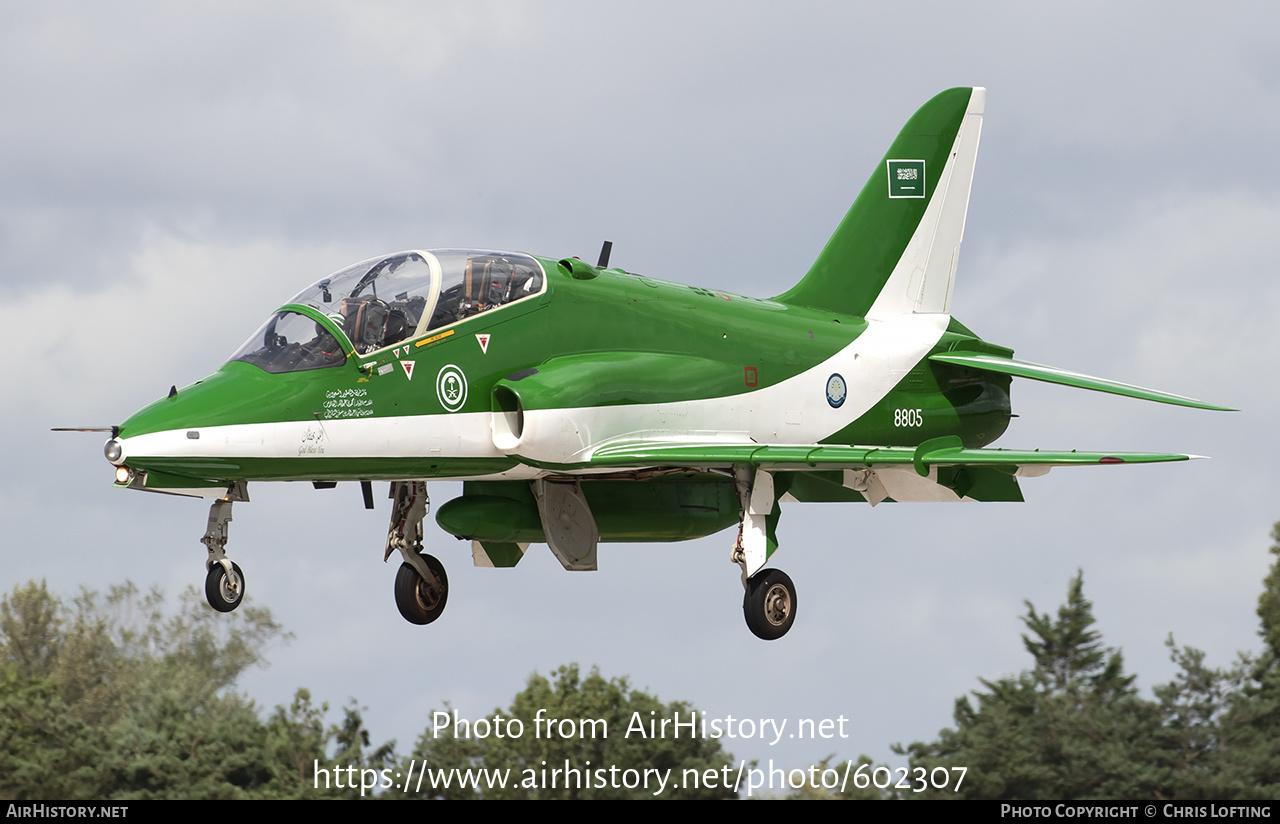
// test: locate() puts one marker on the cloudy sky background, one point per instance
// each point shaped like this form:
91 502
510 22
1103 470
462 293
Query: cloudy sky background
170 174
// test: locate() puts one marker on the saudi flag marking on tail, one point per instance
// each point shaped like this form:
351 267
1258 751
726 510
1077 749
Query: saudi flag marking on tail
906 178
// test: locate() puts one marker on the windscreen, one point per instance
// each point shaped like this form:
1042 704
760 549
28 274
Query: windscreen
291 342
385 300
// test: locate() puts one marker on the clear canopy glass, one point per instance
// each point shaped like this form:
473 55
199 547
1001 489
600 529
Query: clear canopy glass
382 301
291 342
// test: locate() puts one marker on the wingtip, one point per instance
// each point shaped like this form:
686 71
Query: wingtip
1198 404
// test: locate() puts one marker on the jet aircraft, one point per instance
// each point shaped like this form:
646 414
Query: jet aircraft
582 403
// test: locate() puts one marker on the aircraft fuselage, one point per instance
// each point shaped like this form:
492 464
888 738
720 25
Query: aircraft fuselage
616 355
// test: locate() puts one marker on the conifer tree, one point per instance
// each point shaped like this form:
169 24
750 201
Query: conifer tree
1072 727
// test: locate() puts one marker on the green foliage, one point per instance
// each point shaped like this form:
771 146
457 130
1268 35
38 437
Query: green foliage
814 790
1071 727
299 743
167 750
1225 724
45 750
1246 761
1069 656
107 654
1269 601
527 761
113 698
1192 706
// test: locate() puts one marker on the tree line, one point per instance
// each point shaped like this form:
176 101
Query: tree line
1073 726
108 696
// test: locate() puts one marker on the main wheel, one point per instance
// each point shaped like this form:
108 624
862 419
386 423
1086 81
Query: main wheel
224 592
420 602
769 604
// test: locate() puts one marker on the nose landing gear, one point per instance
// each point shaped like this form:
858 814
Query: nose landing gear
224 582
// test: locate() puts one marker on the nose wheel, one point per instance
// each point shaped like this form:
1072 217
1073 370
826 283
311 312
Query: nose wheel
769 604
224 590
224 582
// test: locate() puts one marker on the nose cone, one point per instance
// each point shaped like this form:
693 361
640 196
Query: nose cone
187 432
229 395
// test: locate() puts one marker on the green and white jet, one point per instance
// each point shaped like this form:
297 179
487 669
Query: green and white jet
581 404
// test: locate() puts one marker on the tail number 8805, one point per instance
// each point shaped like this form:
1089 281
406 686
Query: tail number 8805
908 417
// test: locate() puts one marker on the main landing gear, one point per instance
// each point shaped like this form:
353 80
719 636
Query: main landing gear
422 588
769 597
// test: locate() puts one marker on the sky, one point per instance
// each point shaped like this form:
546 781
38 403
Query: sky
171 173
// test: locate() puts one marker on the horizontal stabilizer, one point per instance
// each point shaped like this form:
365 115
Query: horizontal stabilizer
1039 372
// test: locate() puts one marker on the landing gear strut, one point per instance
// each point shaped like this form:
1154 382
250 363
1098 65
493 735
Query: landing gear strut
422 588
769 597
224 582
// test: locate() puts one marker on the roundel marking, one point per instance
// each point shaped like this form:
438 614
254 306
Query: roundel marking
451 388
836 391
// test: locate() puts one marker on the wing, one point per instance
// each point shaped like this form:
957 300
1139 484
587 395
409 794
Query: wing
941 469
945 451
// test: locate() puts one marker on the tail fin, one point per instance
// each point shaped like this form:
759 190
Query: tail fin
896 250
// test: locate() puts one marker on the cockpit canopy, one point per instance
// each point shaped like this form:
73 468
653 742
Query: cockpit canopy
382 301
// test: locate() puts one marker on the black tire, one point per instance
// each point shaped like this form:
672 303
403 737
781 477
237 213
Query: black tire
419 602
224 593
769 604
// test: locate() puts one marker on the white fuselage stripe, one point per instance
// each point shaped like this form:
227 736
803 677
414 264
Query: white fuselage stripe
796 410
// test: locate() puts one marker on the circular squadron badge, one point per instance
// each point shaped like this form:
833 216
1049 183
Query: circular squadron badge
451 388
836 391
